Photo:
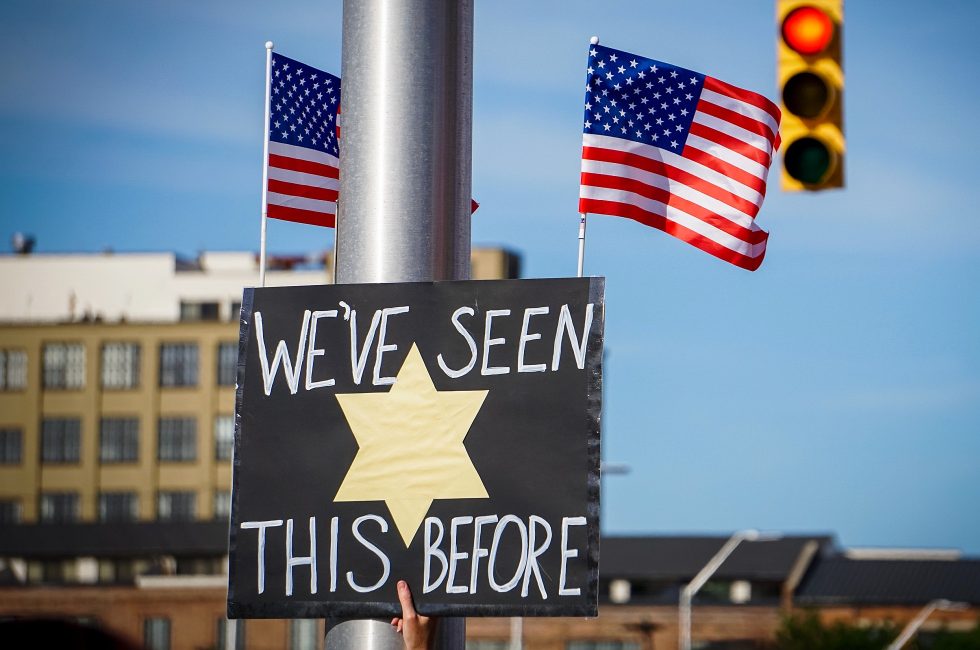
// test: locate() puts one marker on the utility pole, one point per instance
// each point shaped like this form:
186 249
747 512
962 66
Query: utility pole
405 177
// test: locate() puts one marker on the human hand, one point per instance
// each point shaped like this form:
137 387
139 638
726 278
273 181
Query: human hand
418 632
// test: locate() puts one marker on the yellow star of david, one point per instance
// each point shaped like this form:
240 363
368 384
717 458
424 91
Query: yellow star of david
410 446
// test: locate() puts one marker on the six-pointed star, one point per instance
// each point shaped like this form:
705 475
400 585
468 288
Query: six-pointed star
410 446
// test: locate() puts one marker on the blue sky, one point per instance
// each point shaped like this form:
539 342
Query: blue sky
837 389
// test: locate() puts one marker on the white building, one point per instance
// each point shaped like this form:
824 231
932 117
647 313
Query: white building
161 287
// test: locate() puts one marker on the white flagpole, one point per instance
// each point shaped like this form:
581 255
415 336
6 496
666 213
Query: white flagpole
581 222
336 236
265 160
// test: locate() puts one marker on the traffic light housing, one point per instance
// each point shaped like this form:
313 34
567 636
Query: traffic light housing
811 93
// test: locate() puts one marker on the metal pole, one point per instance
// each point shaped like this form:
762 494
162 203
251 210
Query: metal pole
692 588
406 150
581 244
516 633
405 177
265 161
913 626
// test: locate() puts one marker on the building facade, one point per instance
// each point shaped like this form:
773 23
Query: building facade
117 397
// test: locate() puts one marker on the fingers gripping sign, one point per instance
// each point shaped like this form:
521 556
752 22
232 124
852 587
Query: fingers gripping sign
417 631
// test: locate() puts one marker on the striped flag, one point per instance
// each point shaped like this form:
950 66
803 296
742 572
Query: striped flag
679 151
303 151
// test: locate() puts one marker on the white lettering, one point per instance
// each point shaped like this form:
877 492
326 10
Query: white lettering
357 362
293 560
567 553
261 526
478 551
525 337
469 342
382 348
455 556
385 562
534 553
432 550
491 568
334 529
313 351
488 342
578 346
282 356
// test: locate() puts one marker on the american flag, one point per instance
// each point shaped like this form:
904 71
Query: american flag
303 152
679 151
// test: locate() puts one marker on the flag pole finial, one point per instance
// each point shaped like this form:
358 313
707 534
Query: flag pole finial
594 40
269 45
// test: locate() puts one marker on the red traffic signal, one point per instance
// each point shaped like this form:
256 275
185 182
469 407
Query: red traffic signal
808 30
811 87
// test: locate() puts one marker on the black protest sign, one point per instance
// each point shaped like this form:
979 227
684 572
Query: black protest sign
442 433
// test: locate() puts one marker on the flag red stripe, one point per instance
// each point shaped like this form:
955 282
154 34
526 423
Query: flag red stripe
747 96
673 173
306 191
305 166
729 142
752 126
672 228
717 164
663 196
298 215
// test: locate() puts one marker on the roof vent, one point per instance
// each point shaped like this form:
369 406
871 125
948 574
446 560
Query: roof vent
620 591
948 554
22 244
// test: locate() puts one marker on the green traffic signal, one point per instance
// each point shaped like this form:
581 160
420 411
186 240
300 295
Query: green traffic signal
808 160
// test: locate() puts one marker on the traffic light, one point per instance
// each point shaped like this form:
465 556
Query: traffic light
811 87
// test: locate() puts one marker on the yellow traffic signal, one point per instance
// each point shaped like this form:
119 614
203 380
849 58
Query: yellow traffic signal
811 87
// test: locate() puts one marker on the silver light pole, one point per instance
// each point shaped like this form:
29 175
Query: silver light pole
405 176
913 626
692 588
407 141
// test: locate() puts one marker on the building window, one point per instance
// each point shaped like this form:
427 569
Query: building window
235 310
224 437
178 439
178 364
64 365
304 634
192 311
119 440
13 369
156 633
176 506
11 445
59 507
120 365
118 506
120 571
227 364
61 440
222 504
11 511
56 571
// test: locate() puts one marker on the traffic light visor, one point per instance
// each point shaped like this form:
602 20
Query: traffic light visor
807 30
